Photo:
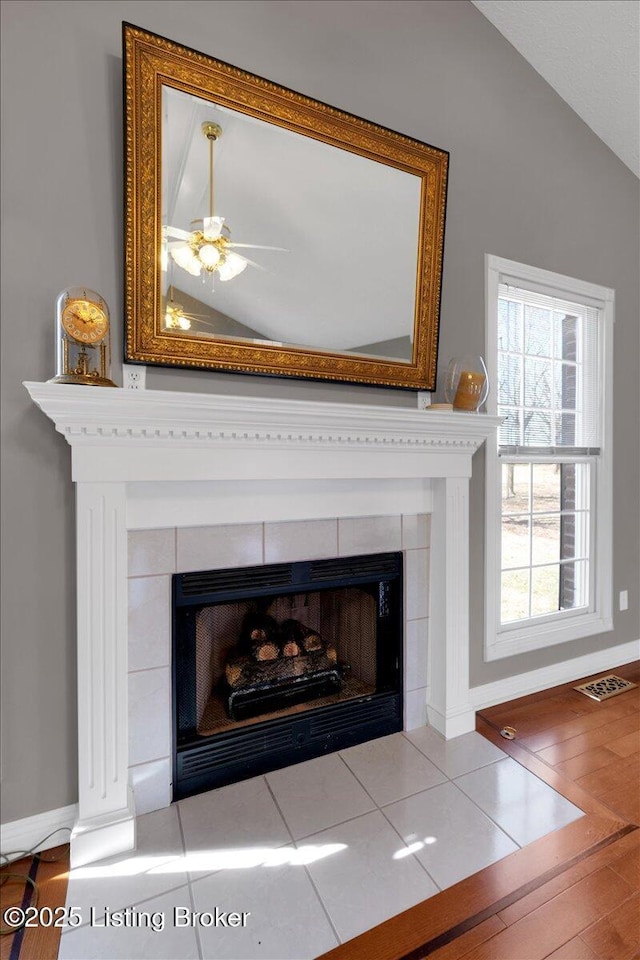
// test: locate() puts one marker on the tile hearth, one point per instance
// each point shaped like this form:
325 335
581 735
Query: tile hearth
316 853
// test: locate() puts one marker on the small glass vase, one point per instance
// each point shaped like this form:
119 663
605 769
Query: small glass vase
467 383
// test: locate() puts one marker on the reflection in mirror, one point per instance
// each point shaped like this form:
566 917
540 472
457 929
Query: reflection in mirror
272 237
270 233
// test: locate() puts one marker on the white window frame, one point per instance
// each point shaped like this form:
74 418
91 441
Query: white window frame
566 625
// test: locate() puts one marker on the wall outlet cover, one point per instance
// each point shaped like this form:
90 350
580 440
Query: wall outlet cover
134 377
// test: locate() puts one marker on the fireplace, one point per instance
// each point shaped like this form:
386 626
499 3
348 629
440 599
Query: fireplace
149 461
279 663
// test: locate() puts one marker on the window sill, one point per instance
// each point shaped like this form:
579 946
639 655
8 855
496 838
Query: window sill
509 643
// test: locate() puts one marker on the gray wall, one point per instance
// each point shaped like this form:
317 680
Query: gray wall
528 181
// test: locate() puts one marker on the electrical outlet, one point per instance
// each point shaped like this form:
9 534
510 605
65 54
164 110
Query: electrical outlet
424 399
134 378
624 599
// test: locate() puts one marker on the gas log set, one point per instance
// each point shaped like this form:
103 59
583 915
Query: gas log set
277 665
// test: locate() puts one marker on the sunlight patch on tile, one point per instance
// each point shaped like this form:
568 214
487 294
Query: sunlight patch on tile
407 851
210 860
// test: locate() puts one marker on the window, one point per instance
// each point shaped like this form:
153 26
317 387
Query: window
548 577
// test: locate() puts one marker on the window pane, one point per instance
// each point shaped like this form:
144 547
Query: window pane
573 536
510 429
565 424
568 486
545 590
537 331
509 326
574 486
538 383
515 487
545 533
515 542
566 377
514 601
574 585
568 544
546 487
537 428
566 336
509 378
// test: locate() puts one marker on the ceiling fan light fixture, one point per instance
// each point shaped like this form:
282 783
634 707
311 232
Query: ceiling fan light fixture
186 258
209 255
232 266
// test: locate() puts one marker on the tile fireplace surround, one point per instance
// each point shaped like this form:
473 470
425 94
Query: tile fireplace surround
152 466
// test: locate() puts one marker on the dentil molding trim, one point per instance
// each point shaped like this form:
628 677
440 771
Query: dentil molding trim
85 414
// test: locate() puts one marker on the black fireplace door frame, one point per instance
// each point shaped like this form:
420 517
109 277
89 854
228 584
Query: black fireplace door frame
203 762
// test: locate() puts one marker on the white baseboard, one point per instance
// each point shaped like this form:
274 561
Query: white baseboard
21 836
500 691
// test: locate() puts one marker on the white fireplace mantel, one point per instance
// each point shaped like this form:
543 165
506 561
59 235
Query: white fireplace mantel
147 459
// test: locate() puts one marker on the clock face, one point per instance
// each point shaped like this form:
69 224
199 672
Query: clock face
85 321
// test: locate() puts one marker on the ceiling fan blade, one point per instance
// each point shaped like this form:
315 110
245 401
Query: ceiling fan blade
258 246
176 232
175 245
254 264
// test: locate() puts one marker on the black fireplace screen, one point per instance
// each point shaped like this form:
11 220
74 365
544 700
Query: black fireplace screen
278 663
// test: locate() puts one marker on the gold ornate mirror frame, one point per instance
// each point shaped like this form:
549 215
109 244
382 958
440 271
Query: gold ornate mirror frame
151 63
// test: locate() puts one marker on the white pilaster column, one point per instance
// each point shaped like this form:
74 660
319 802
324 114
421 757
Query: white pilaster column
449 708
106 823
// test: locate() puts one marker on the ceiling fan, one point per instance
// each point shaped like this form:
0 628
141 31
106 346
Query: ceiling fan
207 250
177 319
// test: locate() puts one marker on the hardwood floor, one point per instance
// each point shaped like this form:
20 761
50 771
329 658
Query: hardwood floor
573 894
50 874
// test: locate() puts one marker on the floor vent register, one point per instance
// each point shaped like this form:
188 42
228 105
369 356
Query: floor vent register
605 687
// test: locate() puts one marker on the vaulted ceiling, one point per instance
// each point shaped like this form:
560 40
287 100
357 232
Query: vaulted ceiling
589 52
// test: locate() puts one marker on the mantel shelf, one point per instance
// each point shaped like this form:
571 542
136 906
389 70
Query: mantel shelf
91 415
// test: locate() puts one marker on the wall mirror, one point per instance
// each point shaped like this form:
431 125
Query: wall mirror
270 233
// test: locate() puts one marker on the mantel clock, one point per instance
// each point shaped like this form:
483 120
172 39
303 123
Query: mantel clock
82 338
